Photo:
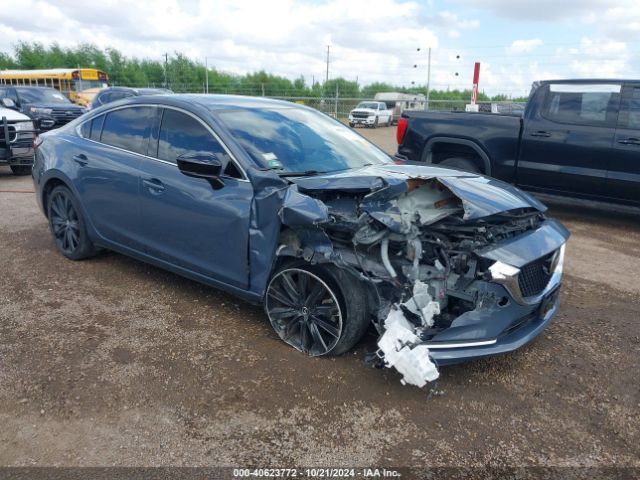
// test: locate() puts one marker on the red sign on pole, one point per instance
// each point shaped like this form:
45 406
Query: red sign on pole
476 80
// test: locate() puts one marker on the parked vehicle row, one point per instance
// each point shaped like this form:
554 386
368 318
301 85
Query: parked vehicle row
47 107
71 82
282 205
577 138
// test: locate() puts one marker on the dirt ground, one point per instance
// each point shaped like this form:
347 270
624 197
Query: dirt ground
113 362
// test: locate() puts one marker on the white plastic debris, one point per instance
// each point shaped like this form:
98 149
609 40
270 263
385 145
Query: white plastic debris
422 304
401 346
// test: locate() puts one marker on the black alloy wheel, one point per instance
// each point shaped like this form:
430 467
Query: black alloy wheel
67 225
304 311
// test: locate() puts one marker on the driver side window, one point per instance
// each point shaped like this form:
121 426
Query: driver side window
182 134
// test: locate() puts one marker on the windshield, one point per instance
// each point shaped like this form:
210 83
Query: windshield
41 95
300 140
371 105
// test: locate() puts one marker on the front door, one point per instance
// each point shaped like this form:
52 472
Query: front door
185 221
566 144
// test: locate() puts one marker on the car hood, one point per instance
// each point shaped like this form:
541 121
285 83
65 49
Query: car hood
480 196
12 115
363 110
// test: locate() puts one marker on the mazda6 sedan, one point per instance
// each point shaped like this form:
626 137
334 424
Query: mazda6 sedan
284 206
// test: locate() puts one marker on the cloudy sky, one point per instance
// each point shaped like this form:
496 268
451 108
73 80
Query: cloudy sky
517 41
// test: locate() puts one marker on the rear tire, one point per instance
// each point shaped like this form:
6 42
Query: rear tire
317 309
21 169
460 164
68 226
389 121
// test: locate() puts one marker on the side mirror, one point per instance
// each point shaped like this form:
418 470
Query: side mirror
8 103
202 165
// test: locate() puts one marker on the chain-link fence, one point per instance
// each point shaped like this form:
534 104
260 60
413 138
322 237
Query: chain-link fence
340 107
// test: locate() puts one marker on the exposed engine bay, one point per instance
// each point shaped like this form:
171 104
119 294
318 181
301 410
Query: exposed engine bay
434 264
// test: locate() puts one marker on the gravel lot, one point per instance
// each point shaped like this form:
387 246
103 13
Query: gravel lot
114 362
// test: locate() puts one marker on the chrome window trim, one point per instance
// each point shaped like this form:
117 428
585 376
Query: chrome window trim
244 178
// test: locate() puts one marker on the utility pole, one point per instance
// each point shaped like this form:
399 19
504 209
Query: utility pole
428 78
327 77
206 75
166 60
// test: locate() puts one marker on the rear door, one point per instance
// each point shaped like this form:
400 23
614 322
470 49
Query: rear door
185 221
106 171
623 175
566 143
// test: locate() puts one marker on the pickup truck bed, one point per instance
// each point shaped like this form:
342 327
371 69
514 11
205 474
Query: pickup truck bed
482 136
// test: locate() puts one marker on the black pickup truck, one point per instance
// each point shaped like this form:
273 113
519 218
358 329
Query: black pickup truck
576 138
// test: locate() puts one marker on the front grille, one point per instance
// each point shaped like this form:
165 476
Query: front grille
535 276
360 115
62 117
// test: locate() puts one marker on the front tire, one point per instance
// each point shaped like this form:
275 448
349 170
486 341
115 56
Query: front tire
21 169
307 307
375 123
68 226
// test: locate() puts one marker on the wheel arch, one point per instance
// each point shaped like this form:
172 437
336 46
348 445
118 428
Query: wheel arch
52 180
459 147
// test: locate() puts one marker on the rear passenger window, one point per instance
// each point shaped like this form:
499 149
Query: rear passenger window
595 105
182 134
128 128
96 128
85 130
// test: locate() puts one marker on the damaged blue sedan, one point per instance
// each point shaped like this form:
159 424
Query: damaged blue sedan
281 205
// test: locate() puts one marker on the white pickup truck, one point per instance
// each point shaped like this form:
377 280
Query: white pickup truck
370 114
16 139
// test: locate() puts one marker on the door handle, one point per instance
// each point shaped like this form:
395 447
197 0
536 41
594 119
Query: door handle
154 185
630 141
80 159
540 133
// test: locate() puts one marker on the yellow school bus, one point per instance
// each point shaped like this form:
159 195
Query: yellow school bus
70 81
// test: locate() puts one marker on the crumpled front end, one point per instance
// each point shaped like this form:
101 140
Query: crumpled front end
458 267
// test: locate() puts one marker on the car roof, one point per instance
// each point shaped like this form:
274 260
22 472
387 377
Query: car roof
212 102
589 80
